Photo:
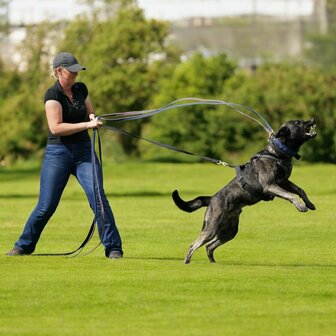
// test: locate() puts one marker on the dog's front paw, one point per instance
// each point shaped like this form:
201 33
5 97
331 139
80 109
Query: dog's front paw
300 206
310 205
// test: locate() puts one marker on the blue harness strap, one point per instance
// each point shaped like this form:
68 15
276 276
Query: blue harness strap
282 149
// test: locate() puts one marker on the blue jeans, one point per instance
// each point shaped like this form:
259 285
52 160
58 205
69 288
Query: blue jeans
60 161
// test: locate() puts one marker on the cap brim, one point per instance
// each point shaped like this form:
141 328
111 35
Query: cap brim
75 68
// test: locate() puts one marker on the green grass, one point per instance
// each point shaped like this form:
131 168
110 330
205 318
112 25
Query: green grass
277 277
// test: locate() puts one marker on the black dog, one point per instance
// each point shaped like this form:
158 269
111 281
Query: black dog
264 177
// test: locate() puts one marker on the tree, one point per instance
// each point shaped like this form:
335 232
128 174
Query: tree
21 98
279 92
321 48
188 127
4 23
125 55
282 92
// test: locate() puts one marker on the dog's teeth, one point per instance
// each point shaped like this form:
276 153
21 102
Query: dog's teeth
312 130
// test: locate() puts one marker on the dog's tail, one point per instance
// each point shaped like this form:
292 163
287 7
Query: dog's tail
190 206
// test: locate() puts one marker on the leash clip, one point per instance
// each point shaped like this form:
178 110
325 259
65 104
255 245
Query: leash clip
223 163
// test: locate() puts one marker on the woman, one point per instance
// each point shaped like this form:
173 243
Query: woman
69 114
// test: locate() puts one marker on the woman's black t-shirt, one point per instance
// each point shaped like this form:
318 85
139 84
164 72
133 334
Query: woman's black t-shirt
72 112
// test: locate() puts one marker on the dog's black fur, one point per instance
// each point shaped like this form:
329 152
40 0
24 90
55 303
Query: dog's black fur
264 177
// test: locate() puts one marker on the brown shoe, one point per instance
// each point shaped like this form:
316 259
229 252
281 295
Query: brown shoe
16 251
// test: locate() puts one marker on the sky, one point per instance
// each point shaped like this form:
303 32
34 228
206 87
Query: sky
34 11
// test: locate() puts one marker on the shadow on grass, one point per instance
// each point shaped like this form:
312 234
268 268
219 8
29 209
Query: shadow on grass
197 262
18 196
154 258
239 264
313 265
109 195
289 265
139 194
18 173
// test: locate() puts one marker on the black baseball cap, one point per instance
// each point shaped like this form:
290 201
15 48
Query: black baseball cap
67 61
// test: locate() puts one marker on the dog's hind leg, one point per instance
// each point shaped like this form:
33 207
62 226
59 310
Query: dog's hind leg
223 237
200 241
211 226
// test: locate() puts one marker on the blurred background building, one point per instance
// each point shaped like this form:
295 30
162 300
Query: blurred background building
246 30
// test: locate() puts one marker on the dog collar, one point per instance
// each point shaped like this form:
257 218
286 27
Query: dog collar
281 148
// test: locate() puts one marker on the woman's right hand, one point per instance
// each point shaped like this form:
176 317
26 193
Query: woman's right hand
95 123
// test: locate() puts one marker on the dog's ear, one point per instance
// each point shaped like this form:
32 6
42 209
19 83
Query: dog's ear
283 132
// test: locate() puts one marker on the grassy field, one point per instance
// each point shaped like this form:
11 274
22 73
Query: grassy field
277 277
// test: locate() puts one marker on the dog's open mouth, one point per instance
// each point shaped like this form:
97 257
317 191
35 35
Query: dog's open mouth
311 130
